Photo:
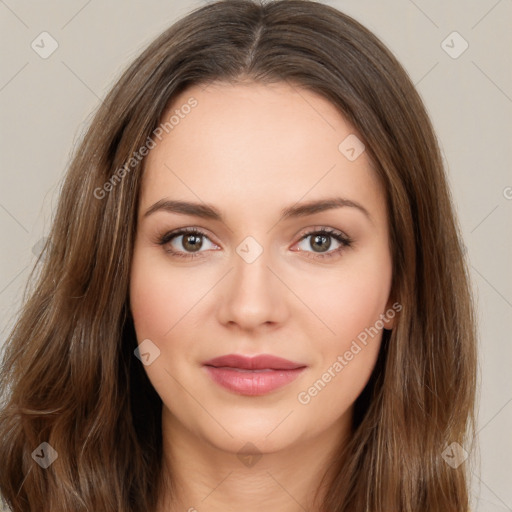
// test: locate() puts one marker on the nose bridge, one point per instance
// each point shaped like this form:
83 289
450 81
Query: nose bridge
252 296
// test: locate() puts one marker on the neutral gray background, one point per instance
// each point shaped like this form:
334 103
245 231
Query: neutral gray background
45 104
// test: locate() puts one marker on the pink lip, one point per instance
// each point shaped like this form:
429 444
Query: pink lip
252 375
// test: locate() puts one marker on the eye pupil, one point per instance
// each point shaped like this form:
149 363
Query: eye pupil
192 242
323 240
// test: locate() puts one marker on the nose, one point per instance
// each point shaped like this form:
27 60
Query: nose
252 294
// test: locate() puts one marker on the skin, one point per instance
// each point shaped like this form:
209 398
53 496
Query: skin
251 150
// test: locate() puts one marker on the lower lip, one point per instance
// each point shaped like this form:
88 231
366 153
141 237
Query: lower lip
252 382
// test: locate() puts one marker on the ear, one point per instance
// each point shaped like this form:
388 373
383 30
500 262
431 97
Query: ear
393 307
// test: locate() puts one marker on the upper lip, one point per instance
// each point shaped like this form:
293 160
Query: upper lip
259 362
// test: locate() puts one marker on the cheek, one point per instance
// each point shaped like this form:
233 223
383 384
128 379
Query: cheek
348 301
159 297
346 359
162 306
150 301
350 306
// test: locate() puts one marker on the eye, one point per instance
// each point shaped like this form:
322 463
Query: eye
188 242
320 241
191 241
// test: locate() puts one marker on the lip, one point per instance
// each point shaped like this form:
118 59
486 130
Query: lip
252 376
259 362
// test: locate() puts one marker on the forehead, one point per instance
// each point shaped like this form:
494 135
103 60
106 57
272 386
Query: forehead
258 146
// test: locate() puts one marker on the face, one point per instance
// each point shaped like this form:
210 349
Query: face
259 269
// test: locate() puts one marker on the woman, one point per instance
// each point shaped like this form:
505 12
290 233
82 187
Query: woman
253 295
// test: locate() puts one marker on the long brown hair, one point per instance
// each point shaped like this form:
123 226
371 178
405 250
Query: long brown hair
69 376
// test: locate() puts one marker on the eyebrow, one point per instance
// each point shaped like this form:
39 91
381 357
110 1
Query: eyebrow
207 211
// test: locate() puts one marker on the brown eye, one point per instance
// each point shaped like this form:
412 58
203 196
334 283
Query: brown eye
184 243
192 242
320 242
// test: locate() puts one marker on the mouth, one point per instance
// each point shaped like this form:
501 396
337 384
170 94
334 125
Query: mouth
252 376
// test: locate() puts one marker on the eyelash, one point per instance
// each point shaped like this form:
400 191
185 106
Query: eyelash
344 240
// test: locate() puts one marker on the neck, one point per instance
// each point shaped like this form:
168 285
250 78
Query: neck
202 477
